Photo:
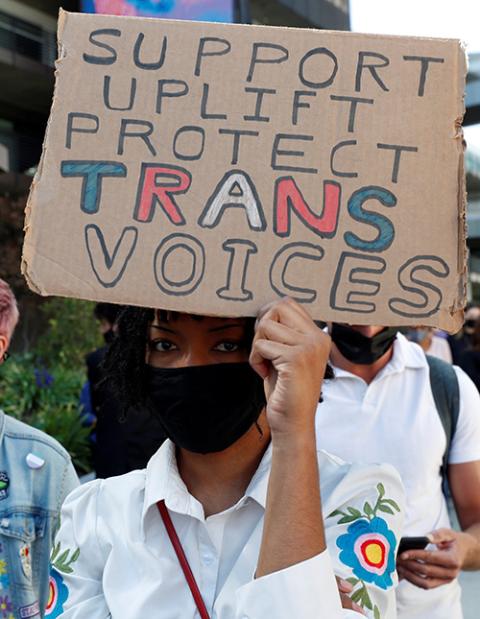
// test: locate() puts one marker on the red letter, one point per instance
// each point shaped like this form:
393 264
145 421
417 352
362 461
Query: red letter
288 197
151 190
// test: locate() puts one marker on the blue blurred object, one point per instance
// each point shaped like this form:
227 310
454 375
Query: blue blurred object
200 10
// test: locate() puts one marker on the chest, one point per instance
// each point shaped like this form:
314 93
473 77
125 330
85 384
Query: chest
222 555
392 420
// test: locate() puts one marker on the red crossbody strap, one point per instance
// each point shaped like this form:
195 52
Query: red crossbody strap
177 546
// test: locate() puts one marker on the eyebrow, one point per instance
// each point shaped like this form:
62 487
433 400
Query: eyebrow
224 327
162 328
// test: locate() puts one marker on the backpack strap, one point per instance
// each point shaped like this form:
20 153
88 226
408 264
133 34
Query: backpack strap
446 394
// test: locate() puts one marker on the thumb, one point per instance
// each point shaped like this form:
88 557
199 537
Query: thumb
442 536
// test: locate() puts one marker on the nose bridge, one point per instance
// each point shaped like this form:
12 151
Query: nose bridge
367 330
196 355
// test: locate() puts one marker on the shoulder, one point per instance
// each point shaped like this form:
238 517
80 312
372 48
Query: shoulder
25 438
343 482
107 497
469 395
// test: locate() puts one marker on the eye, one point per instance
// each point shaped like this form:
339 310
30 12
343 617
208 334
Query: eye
227 346
162 346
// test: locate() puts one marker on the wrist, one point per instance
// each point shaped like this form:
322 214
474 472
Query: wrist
297 442
468 545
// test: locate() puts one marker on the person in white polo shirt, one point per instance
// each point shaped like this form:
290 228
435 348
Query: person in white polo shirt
382 400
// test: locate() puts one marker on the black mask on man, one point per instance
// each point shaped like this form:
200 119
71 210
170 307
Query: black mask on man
206 408
359 348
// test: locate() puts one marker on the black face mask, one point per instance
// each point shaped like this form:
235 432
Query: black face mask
359 348
206 408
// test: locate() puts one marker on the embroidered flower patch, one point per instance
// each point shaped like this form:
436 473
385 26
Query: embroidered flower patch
57 595
368 547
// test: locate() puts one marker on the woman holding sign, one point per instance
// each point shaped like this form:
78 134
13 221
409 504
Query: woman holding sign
227 520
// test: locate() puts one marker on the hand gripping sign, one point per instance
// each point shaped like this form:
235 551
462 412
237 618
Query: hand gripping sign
211 168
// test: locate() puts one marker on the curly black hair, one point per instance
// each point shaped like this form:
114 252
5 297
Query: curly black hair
125 366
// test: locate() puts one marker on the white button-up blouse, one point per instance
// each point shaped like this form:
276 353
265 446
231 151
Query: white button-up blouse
113 557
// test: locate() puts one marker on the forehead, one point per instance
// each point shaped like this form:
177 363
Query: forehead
473 312
179 320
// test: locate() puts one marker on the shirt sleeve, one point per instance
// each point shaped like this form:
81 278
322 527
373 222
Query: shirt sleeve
466 440
76 563
363 531
307 590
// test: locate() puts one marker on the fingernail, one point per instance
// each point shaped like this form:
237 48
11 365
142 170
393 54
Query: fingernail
405 556
358 608
346 585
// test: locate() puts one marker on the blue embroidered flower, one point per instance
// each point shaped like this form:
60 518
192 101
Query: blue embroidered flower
368 548
4 581
57 595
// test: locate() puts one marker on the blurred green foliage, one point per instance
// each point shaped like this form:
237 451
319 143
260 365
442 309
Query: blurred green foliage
72 332
42 388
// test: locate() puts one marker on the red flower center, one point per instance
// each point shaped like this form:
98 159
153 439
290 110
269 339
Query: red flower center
373 552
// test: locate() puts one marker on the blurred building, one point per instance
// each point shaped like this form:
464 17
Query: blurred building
27 53
472 166
326 14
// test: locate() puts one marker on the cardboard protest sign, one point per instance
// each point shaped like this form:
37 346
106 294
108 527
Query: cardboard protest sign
211 168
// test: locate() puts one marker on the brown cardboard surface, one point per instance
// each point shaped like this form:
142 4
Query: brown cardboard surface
211 168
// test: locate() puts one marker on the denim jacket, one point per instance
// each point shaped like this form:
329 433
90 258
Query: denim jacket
36 474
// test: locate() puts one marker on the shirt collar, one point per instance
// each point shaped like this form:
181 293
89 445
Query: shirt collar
406 354
163 483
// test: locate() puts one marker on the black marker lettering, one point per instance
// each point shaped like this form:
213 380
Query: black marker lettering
354 101
362 65
424 65
170 89
240 251
109 267
106 95
148 66
351 271
220 47
135 133
328 81
260 92
279 267
106 60
237 134
277 151
257 59
180 249
396 160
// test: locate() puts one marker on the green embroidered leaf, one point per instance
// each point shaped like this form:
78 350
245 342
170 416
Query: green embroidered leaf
63 557
65 569
368 509
357 595
337 512
55 551
376 613
381 490
392 503
353 581
347 519
366 601
354 512
386 509
75 556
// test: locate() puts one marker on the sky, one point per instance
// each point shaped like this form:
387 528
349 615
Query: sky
458 19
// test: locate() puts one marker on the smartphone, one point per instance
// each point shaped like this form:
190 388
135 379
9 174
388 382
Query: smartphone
412 543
